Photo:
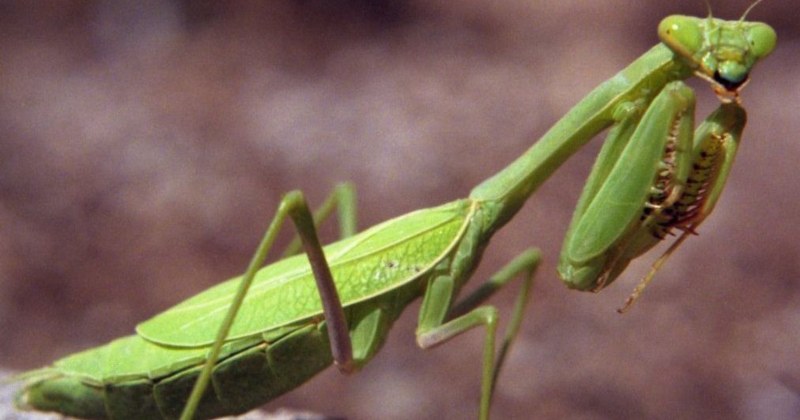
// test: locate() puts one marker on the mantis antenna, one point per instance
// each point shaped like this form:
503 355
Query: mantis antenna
744 15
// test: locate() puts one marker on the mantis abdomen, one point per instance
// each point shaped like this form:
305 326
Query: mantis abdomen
251 372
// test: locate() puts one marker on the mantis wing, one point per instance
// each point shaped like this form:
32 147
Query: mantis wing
371 263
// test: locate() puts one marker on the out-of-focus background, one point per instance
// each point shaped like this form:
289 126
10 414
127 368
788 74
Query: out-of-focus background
145 145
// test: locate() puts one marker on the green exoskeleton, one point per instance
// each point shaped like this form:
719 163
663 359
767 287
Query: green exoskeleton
629 207
250 339
650 176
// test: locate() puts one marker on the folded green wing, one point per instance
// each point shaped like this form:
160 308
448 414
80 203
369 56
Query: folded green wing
371 263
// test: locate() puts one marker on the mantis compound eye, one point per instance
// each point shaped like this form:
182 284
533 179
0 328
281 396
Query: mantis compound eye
762 39
682 34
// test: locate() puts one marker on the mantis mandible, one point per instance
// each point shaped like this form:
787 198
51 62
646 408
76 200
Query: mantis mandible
252 338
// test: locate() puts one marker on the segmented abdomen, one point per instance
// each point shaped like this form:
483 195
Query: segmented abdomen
241 381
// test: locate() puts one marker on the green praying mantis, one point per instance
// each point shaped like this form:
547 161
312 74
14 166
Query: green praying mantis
248 340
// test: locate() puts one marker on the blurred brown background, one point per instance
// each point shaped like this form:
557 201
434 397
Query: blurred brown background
144 147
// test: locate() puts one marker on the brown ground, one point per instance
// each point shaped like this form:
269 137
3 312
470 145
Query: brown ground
143 150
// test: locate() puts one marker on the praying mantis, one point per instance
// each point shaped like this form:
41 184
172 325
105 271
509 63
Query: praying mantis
366 279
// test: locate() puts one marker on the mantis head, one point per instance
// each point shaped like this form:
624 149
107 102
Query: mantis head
719 51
